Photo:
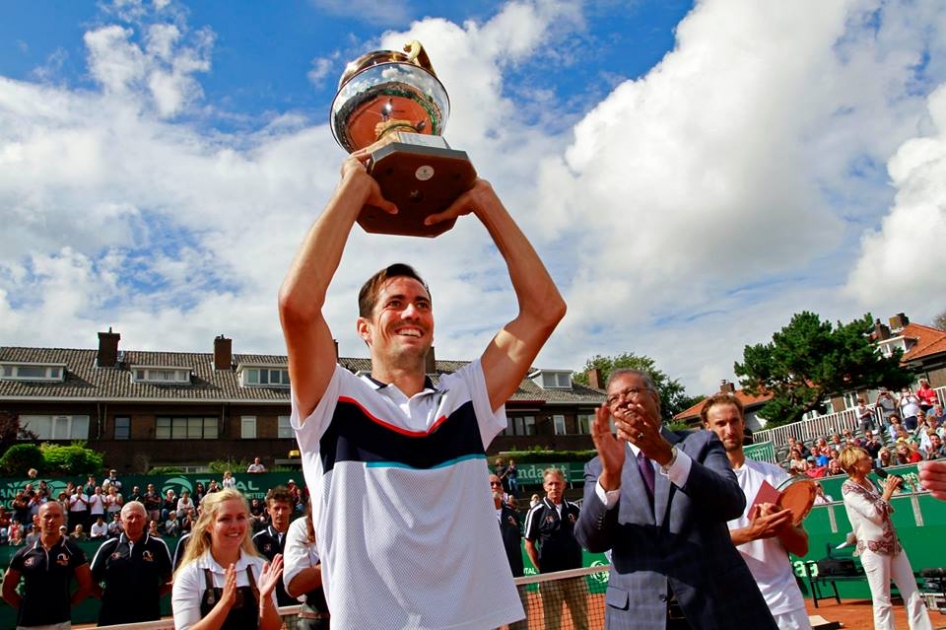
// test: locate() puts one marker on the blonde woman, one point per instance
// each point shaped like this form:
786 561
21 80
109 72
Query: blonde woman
868 508
222 582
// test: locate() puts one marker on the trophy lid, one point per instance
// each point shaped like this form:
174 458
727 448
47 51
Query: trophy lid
387 90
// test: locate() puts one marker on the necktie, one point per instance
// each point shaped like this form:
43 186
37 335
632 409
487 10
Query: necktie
647 472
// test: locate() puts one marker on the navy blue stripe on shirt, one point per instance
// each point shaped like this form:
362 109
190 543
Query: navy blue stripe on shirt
354 435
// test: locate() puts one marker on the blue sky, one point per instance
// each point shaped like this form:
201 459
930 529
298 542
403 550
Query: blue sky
692 174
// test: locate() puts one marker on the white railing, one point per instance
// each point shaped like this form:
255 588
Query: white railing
821 426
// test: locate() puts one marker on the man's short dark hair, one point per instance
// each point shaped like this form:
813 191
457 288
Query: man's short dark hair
720 398
645 376
278 493
368 296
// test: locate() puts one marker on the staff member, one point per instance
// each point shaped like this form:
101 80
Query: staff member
868 509
511 532
223 582
272 540
47 568
303 574
136 571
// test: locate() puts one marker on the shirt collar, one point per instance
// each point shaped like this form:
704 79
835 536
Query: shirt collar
207 561
378 385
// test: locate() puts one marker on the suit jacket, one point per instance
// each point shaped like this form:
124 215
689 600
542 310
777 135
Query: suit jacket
682 541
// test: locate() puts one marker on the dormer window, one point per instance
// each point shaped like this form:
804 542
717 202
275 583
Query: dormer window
160 375
263 376
553 379
37 372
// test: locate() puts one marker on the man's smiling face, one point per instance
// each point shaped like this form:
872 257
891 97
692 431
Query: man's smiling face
401 327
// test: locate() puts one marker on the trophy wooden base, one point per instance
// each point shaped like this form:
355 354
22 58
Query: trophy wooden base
422 176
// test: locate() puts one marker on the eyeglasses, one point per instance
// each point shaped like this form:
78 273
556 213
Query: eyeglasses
631 393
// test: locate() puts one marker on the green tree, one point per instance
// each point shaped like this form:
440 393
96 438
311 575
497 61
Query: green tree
11 432
19 458
810 359
940 321
74 459
673 396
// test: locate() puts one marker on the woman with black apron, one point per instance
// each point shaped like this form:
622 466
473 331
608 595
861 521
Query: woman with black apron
222 583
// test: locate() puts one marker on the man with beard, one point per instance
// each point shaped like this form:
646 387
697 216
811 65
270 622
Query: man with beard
764 534
135 569
659 500
373 445
47 568
272 540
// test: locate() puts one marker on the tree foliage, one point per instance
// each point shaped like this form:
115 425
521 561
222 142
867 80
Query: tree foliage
673 396
810 359
940 321
11 433
19 458
74 459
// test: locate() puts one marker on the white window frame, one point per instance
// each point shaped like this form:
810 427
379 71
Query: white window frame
558 421
51 372
585 422
160 375
274 376
248 427
57 427
284 427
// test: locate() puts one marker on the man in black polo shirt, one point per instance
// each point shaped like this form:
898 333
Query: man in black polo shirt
511 533
47 568
551 523
272 540
136 571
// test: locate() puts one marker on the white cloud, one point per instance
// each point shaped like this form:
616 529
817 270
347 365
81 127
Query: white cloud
688 214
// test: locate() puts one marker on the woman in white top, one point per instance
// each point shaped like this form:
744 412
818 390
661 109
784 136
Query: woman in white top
228 480
113 502
185 504
222 582
868 509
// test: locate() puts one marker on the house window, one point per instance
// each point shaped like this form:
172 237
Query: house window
185 428
554 380
31 372
523 425
266 377
122 427
57 427
559 422
248 427
285 429
585 420
160 375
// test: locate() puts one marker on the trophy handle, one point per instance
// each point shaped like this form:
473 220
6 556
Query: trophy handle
418 56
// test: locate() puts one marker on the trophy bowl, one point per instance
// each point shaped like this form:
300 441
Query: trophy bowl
385 93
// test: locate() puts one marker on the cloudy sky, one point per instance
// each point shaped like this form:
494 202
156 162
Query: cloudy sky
692 173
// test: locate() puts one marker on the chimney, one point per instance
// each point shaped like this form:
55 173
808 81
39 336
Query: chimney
595 379
223 353
725 387
108 349
431 362
898 322
881 331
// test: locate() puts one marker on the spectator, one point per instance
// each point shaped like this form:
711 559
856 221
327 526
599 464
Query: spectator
798 464
258 515
96 504
228 480
171 525
213 487
836 443
78 534
885 405
90 485
152 502
78 508
298 504
909 406
199 492
135 495
512 478
32 473
113 481
935 449
153 530
187 521
113 501
21 508
99 530
256 466
937 413
865 415
834 467
511 532
885 458
534 500
115 525
926 395
168 505
820 497
907 453
16 534
272 541
824 457
184 504
303 575
872 443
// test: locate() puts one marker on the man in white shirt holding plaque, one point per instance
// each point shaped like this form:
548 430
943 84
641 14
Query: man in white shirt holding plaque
764 535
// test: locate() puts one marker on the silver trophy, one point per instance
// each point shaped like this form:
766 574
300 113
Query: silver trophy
387 92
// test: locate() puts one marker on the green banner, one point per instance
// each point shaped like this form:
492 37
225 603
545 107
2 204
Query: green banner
764 452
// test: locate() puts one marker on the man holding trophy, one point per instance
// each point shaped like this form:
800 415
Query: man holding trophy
394 463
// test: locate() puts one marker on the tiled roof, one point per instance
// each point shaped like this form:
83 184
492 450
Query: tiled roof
85 381
748 403
929 341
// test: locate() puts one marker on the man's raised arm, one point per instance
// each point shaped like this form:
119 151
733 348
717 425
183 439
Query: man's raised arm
512 351
308 338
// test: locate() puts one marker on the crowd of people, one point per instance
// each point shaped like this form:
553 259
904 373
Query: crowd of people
92 511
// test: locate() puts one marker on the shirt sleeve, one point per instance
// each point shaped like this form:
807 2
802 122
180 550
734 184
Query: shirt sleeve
532 523
185 597
491 423
309 430
296 555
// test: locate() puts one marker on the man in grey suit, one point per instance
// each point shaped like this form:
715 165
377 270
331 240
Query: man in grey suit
660 500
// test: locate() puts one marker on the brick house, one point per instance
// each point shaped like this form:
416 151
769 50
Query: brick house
145 409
